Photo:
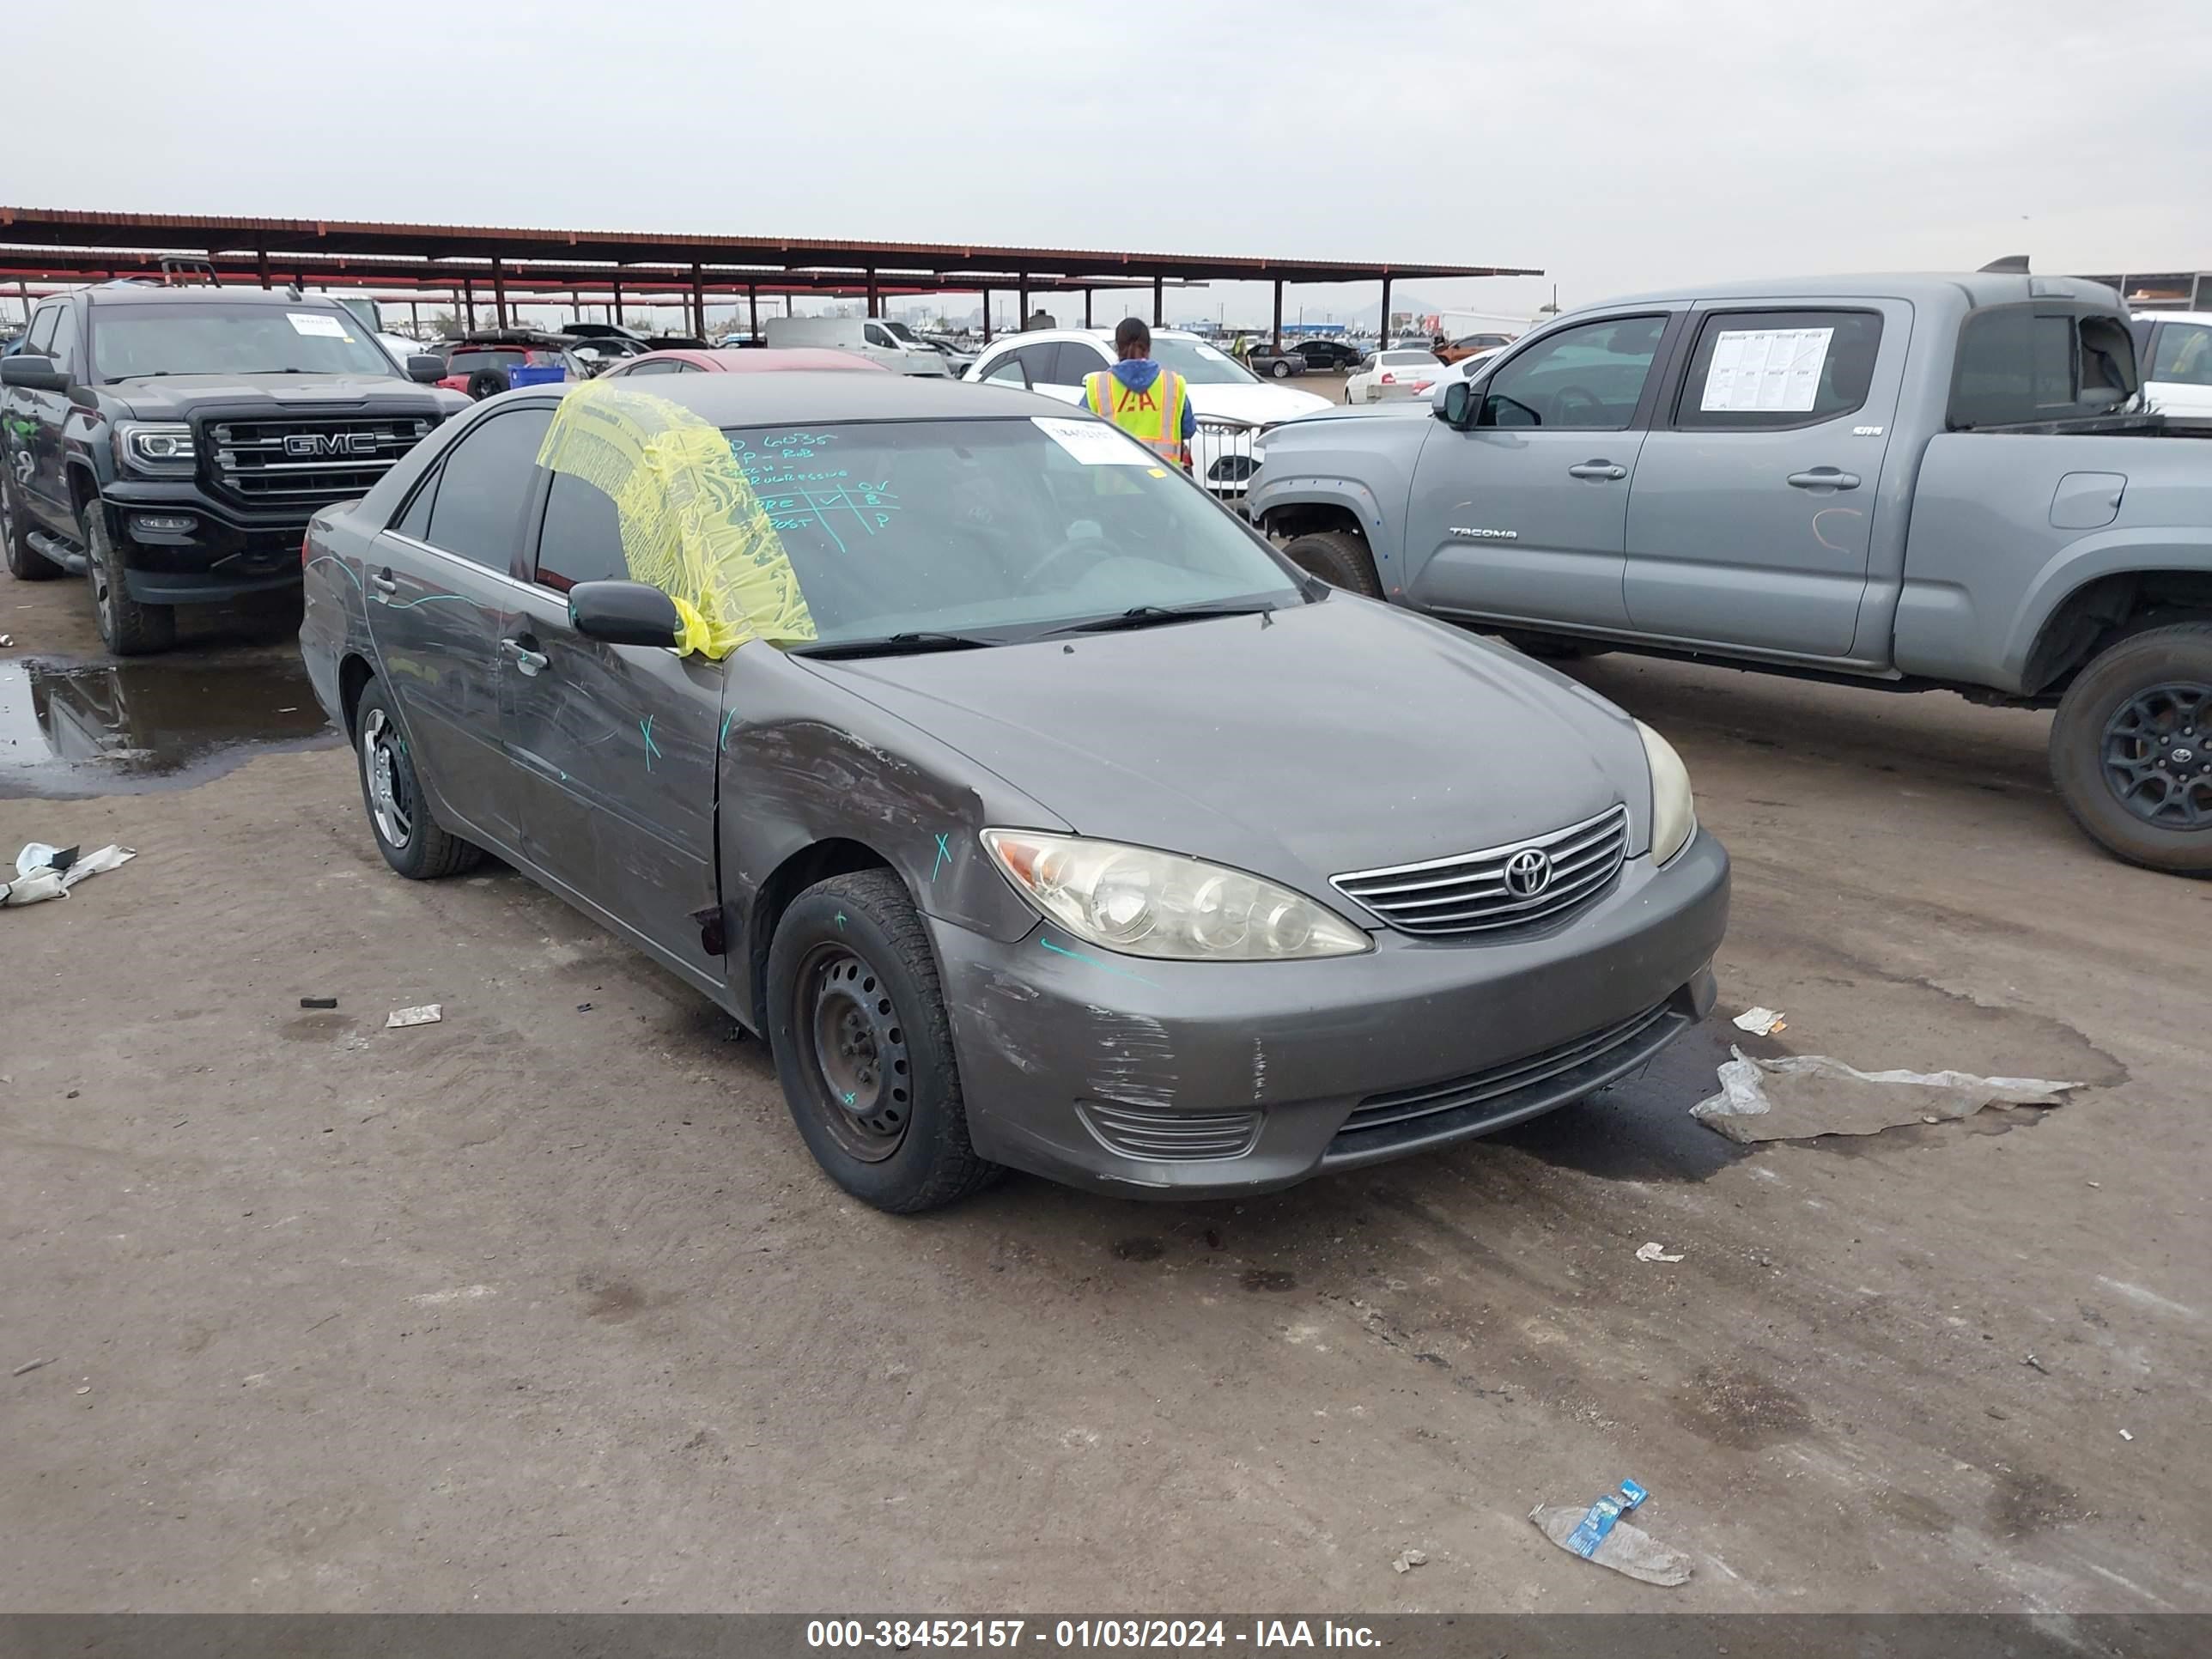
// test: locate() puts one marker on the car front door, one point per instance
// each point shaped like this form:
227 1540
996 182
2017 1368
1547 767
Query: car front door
1521 516
34 417
440 587
615 747
1754 504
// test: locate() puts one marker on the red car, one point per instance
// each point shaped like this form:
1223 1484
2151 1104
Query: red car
485 370
751 360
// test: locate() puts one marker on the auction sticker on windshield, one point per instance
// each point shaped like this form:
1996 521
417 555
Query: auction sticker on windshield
1093 442
314 322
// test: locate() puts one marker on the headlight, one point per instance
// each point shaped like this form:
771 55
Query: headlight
1674 814
1149 904
154 446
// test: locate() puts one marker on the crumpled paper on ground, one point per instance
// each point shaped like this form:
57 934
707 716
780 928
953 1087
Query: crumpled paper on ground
48 872
1800 1096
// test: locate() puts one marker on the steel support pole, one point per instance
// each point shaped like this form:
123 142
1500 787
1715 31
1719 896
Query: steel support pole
499 291
1278 314
1160 302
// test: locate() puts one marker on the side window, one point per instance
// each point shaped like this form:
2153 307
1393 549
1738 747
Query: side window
1008 371
486 481
415 522
40 341
63 352
880 337
2018 364
1042 361
582 538
1756 370
657 366
1586 379
2185 354
1072 361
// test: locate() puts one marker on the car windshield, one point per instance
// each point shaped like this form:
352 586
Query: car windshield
218 338
1010 526
1200 364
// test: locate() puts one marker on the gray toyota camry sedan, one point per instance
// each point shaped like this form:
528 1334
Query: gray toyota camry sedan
1031 806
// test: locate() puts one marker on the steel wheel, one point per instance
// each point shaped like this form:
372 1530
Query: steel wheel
391 791
856 1065
2157 754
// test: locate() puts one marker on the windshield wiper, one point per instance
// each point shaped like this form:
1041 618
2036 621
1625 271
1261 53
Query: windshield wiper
895 645
1154 615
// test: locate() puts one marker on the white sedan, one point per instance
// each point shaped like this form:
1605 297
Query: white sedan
1231 403
1399 373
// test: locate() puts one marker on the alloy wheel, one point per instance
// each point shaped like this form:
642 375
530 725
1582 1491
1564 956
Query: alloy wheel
391 798
2157 754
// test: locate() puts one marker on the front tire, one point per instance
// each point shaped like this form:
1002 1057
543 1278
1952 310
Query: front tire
2131 748
1281 370
863 1046
1338 558
25 563
126 627
407 831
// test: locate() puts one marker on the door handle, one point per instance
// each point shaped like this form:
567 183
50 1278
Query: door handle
1597 470
523 657
382 582
1824 477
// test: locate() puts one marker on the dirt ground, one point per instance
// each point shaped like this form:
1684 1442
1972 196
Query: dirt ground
546 1307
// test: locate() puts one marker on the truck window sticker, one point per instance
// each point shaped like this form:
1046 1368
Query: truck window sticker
1768 370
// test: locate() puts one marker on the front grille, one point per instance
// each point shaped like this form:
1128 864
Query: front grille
1471 892
1169 1137
1506 1094
306 464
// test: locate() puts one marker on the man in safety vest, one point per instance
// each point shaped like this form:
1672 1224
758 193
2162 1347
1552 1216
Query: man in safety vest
1149 403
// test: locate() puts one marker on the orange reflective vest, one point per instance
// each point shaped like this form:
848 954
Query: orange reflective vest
1153 416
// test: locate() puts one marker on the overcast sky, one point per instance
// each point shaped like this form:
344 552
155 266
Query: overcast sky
1620 145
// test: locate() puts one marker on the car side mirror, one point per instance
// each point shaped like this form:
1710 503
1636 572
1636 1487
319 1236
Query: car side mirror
1454 403
425 369
623 613
37 372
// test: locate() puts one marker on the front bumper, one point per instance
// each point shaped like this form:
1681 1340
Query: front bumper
224 553
1166 1079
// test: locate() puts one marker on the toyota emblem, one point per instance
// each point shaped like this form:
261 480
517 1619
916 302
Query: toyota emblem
1528 872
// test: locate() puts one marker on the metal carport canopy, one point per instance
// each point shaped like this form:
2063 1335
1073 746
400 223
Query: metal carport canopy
957 262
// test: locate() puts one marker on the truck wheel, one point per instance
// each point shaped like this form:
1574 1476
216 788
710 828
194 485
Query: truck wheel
126 627
407 832
25 563
864 1048
2131 748
1338 558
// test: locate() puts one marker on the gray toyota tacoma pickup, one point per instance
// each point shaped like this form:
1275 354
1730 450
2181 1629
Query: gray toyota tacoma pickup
1913 482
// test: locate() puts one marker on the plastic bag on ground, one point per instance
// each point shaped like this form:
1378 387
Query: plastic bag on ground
1800 1096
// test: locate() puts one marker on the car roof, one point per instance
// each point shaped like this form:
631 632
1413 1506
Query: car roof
1979 288
793 395
1103 335
138 294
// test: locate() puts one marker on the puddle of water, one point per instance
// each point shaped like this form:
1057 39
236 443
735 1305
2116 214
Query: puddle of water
117 728
1640 1129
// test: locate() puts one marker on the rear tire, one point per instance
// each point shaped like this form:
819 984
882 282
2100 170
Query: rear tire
25 563
1338 558
2131 748
863 1046
126 627
1281 370
407 831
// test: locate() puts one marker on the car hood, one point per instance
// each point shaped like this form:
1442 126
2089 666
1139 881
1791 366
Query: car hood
174 396
1261 403
1332 736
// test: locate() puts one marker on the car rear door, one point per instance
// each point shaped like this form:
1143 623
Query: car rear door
440 588
614 746
1754 503
1522 516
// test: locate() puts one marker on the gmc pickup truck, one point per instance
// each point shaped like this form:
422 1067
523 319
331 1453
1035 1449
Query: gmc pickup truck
1912 481
170 444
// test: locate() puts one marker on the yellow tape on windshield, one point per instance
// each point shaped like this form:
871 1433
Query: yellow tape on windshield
691 525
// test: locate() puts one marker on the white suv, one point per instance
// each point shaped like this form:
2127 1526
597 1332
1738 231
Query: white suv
2174 352
1231 403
